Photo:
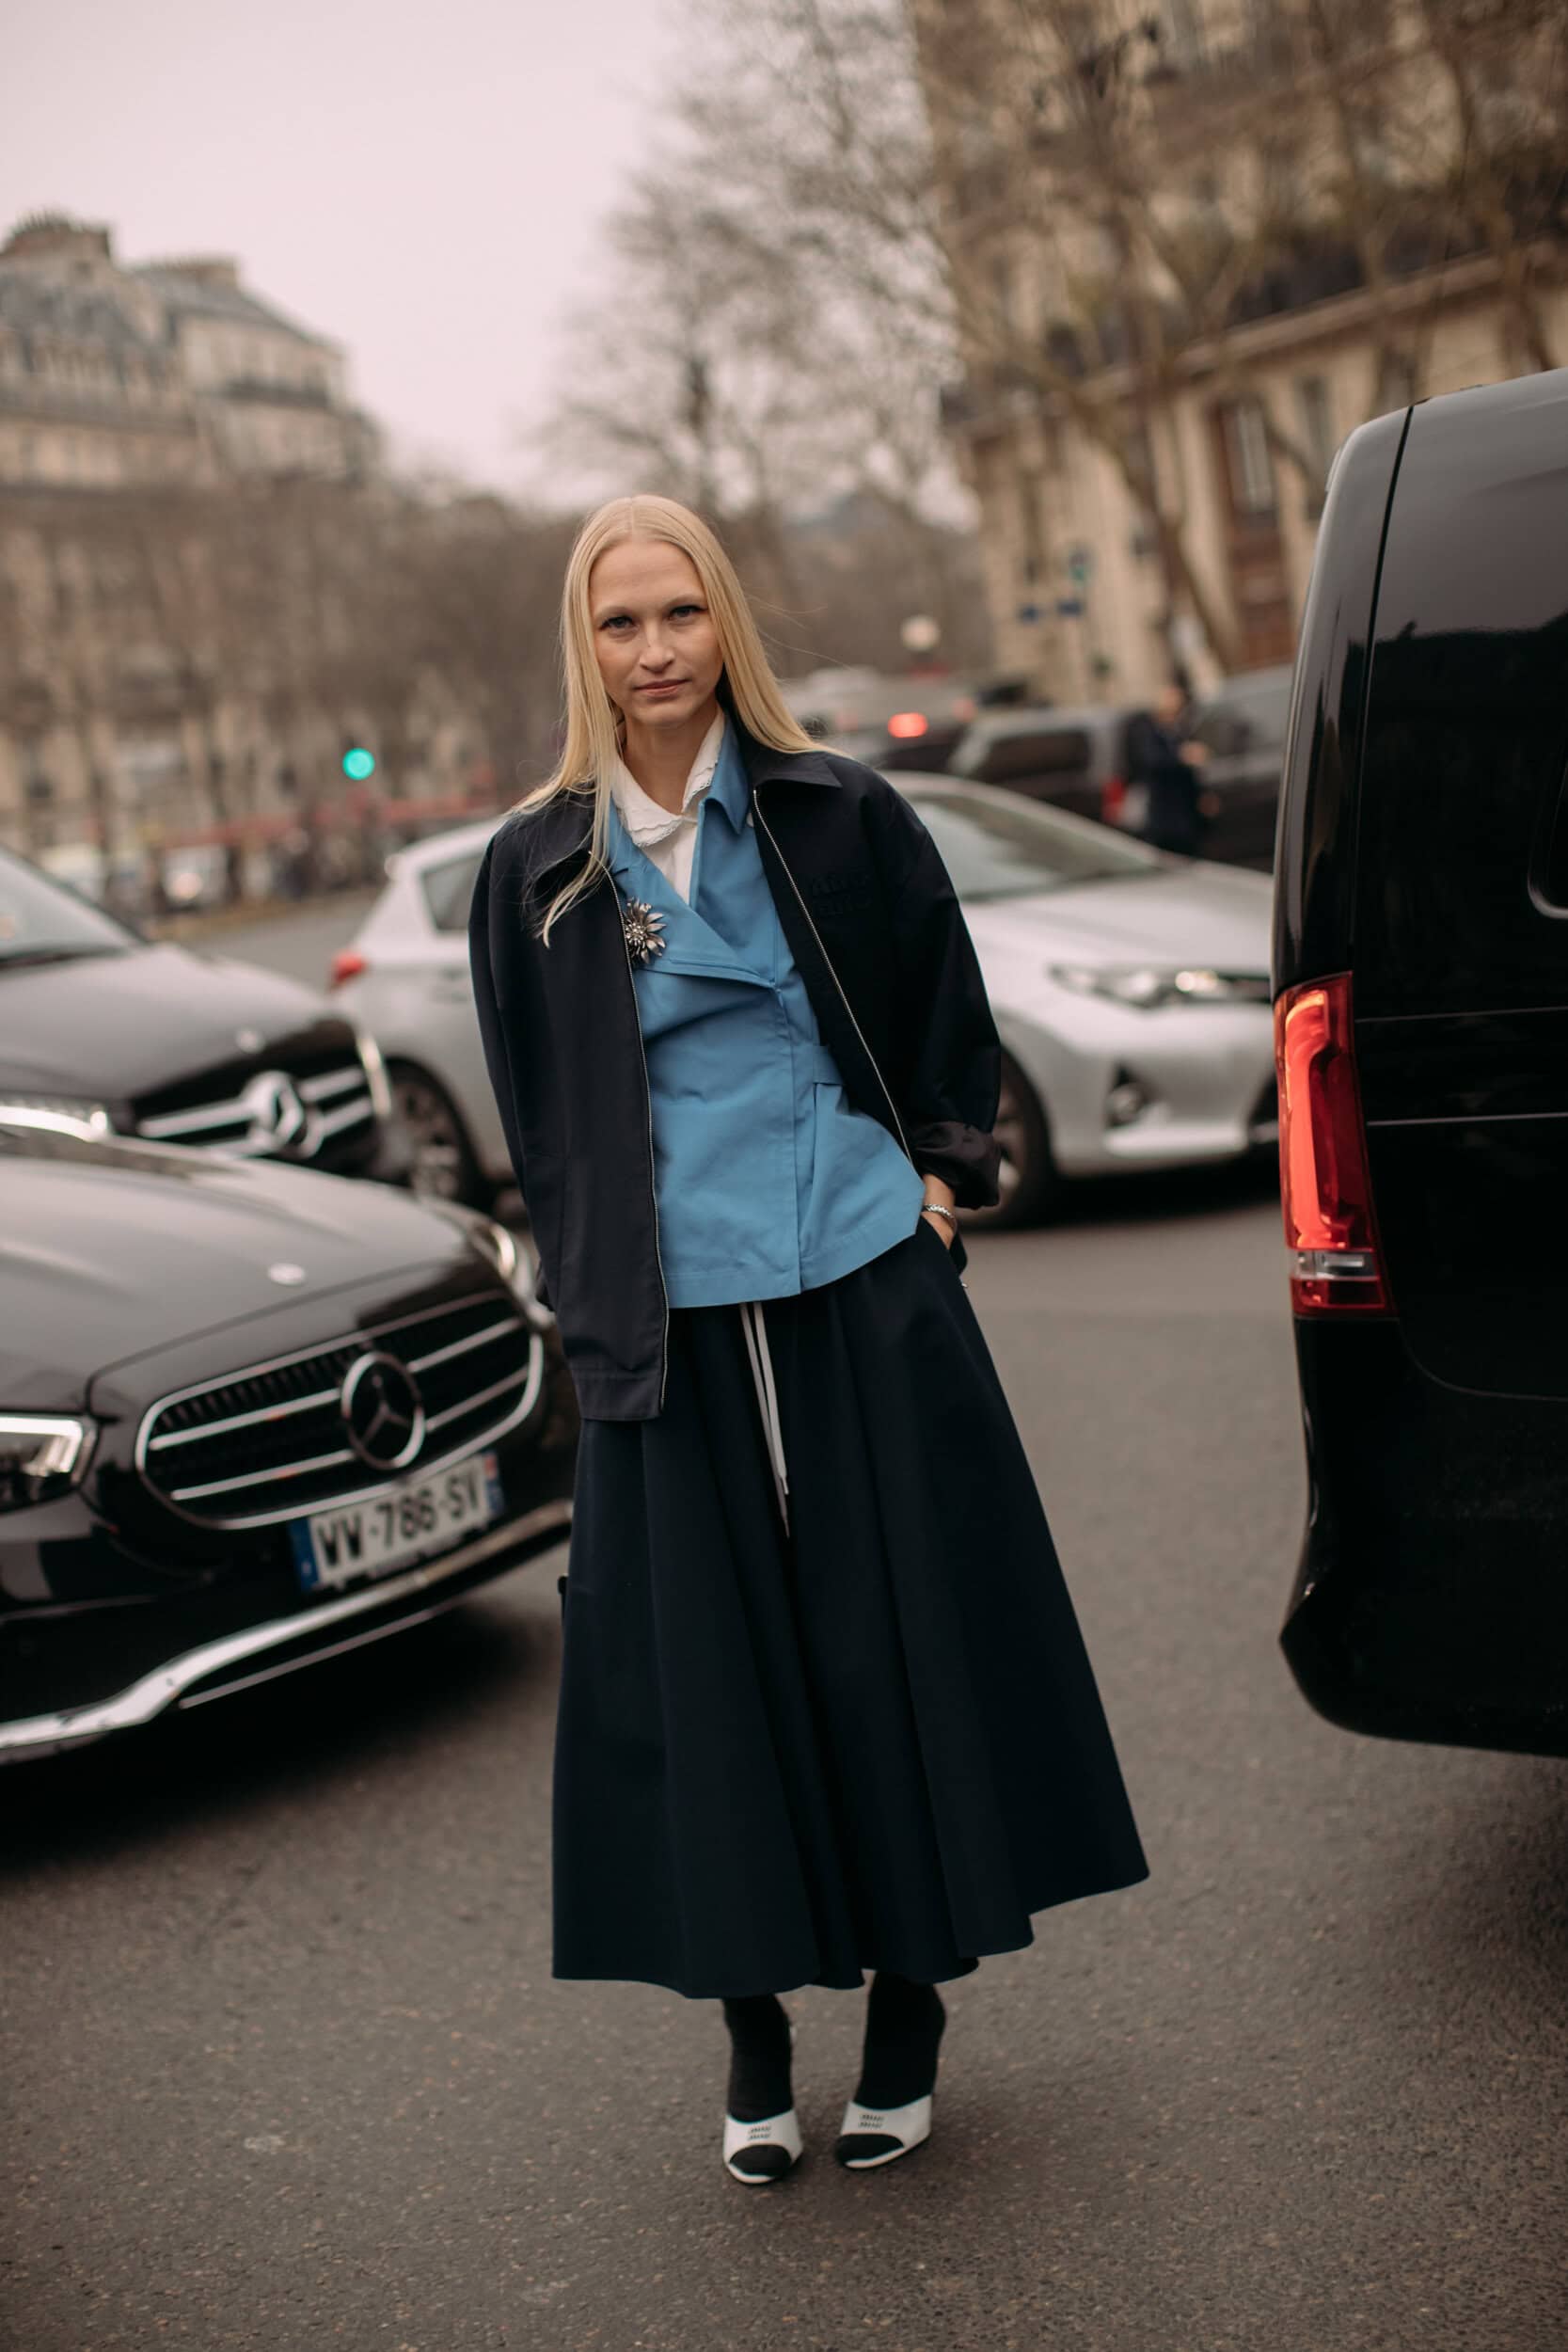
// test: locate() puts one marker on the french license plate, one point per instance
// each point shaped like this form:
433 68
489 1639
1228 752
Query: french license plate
421 1516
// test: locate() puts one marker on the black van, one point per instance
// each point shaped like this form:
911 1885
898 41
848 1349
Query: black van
1421 1022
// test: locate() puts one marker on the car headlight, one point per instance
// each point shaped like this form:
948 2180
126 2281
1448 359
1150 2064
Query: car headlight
41 1456
67 1114
1145 986
498 1248
375 1073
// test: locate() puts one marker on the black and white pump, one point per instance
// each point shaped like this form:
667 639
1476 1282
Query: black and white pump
891 2110
762 2135
761 2153
872 2136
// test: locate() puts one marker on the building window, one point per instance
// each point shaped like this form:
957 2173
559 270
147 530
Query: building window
1004 291
1031 509
1397 387
1142 463
1182 41
1248 462
1315 423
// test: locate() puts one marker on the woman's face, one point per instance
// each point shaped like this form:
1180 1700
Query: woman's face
657 649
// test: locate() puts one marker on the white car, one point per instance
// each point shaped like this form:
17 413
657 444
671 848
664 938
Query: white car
1131 990
408 968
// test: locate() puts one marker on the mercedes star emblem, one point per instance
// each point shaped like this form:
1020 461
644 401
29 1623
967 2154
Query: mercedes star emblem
277 1117
381 1410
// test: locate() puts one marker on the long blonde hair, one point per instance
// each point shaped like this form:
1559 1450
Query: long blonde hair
595 729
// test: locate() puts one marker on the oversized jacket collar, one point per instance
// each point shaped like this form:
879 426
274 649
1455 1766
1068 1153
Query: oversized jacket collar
559 833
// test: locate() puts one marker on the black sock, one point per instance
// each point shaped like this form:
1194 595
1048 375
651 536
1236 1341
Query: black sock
759 2058
903 2029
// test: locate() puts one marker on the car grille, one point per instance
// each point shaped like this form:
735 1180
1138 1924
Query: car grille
270 1441
273 1113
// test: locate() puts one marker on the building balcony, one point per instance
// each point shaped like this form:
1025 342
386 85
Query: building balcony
265 388
42 400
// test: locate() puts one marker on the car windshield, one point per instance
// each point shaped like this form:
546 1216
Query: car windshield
44 922
449 890
1004 847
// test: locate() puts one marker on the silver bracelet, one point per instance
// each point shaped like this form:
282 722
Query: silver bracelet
934 1208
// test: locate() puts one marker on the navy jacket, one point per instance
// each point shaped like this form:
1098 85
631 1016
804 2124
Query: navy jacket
875 927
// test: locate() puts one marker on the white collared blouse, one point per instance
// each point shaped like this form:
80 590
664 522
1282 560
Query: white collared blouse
667 837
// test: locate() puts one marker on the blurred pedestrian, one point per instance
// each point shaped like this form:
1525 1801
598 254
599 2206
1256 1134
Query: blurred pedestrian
824 1707
1163 759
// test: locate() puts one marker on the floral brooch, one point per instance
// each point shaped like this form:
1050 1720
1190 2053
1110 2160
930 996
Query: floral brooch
641 924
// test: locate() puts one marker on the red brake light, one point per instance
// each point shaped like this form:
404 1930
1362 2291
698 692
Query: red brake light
1325 1183
1112 800
347 964
907 723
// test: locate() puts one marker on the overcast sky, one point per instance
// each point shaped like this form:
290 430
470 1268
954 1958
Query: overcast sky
420 183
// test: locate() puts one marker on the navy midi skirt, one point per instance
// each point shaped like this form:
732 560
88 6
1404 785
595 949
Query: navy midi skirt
872 1741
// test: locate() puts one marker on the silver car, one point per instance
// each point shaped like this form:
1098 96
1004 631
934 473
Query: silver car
406 971
1131 990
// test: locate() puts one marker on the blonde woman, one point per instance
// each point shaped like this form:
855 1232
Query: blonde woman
824 1707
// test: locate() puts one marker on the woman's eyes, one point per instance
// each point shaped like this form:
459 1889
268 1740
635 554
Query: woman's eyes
623 621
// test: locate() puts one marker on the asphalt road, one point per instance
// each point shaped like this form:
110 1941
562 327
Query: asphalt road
285 2066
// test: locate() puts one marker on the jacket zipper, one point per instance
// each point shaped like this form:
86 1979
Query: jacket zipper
898 1124
653 1192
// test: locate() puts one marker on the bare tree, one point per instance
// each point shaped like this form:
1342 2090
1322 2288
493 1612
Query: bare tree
1505 66
272 618
487 579
1081 209
733 368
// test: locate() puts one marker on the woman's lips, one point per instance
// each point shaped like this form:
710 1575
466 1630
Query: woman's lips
663 686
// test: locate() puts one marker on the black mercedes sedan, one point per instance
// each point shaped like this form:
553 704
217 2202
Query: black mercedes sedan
1421 975
250 1417
125 1035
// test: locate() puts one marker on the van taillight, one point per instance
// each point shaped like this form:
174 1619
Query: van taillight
1112 800
1326 1185
347 964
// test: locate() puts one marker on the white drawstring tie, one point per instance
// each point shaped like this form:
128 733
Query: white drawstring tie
756 1328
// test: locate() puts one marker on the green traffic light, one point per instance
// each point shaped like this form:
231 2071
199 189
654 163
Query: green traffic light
359 763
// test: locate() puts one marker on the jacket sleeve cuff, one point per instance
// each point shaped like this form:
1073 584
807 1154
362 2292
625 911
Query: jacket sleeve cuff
965 1157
